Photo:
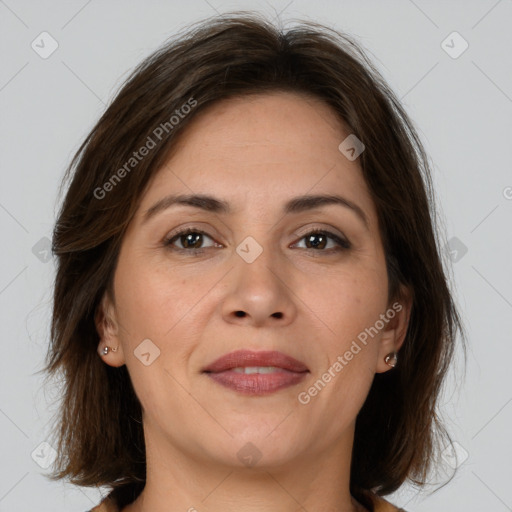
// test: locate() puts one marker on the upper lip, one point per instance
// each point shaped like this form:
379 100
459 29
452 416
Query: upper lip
244 358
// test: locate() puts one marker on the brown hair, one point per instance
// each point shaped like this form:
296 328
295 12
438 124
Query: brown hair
100 432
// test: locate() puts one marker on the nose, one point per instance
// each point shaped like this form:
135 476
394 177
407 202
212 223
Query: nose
259 293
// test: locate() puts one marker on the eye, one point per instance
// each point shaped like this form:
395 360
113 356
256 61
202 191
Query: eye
190 239
317 240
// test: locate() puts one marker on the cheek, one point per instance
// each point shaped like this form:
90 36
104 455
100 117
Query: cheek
350 306
350 302
159 303
151 298
157 306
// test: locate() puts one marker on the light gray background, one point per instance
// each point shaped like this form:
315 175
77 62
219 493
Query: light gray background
461 106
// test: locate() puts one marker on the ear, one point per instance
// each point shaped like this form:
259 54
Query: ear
395 329
108 330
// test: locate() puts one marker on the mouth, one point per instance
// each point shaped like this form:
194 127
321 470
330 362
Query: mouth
256 373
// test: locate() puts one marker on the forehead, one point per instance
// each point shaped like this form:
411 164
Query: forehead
290 125
282 142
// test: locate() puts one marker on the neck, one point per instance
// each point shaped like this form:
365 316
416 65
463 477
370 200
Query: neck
177 481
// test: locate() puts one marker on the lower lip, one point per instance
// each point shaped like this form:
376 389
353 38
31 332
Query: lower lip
257 383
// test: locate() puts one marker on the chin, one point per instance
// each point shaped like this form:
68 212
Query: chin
255 448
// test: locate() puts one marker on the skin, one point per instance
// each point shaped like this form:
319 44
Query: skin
255 153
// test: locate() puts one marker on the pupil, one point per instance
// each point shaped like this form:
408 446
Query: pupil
189 240
311 237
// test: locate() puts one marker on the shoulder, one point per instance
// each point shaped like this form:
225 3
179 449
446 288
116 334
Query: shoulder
381 505
107 505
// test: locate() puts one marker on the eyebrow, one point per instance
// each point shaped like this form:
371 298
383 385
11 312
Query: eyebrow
211 204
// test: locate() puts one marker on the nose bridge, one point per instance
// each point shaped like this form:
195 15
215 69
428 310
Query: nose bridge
258 290
258 265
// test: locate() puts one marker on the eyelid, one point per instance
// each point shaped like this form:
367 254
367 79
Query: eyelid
320 229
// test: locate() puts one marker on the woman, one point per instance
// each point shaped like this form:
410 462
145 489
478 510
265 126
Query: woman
250 309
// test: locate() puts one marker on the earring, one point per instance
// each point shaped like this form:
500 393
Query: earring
391 359
106 349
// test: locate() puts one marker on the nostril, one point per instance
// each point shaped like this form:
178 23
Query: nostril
240 313
277 315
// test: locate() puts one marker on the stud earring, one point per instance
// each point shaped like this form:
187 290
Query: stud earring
106 349
391 359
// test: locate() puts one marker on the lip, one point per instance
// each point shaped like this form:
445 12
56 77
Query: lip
244 358
289 371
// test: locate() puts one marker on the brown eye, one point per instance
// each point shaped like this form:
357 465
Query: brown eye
190 240
317 240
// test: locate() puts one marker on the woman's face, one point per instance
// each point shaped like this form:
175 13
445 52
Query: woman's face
251 276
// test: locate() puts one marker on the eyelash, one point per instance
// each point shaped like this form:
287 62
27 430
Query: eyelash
342 244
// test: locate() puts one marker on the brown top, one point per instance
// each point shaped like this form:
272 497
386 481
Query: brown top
380 504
